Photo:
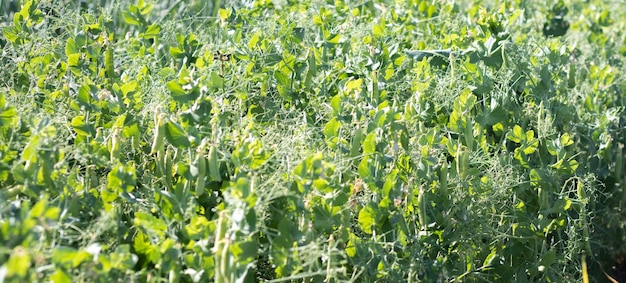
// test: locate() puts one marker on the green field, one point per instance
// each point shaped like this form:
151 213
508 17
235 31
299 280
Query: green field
312 141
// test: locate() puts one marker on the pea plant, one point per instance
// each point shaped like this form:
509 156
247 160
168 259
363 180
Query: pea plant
312 141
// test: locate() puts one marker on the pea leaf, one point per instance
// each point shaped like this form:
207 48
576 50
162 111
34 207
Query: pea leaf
176 135
367 219
331 129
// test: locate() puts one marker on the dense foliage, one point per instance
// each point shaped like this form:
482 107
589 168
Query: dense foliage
310 141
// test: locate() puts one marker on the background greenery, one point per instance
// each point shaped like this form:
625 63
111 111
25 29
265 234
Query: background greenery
308 141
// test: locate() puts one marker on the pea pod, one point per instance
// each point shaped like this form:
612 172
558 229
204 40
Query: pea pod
92 177
462 162
469 133
619 168
443 179
214 168
421 205
160 162
168 169
109 65
331 245
580 188
159 133
220 249
356 143
114 146
201 165
542 194
571 76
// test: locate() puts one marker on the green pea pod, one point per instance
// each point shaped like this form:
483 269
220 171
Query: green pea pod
109 64
356 143
469 133
201 165
443 179
168 169
159 134
214 168
220 249
114 146
571 76
421 205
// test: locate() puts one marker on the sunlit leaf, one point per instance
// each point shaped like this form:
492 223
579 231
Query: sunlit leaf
176 135
369 144
367 219
332 128
81 127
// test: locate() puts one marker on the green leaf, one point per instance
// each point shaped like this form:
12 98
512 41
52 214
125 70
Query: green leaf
432 10
81 127
38 209
530 135
517 135
531 144
335 104
254 40
7 115
378 30
176 52
251 154
131 130
30 151
3 101
121 179
176 135
351 247
456 122
298 33
142 245
175 88
496 115
119 122
151 32
19 262
85 95
490 260
566 140
561 205
241 189
123 258
11 34
150 223
60 276
369 144
367 219
129 87
548 258
73 60
365 169
216 80
64 256
566 165
333 39
245 251
259 156
282 79
179 94
71 48
131 19
354 85
331 129
198 227
536 177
